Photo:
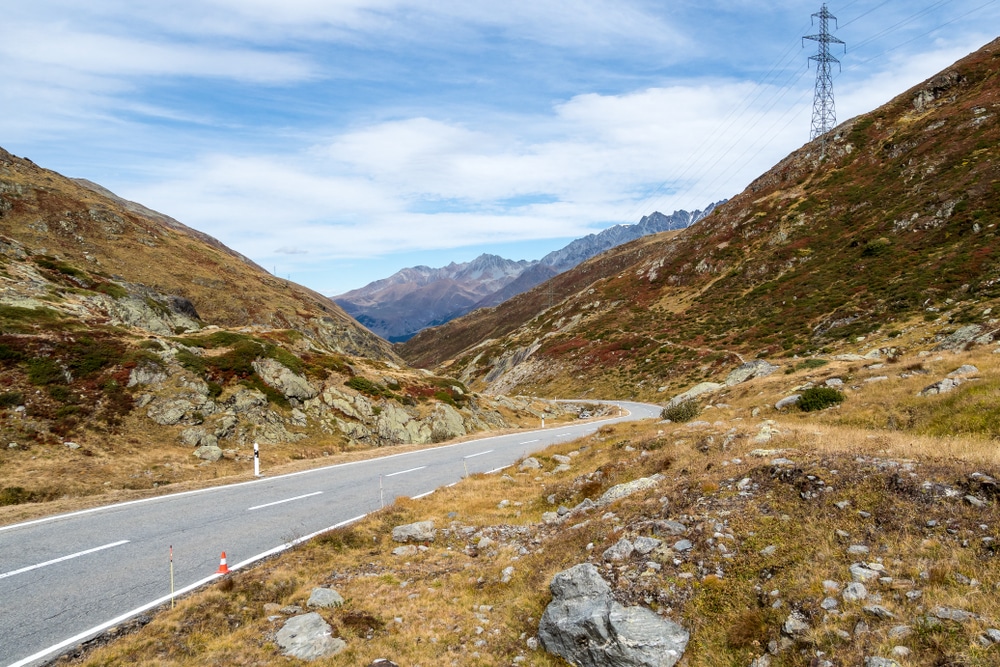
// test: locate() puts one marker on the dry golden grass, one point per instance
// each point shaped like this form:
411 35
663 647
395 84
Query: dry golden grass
446 605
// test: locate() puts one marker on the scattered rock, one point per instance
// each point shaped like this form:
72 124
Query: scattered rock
855 591
796 624
645 545
952 614
620 491
965 369
873 661
787 402
941 387
405 551
960 339
585 626
694 392
210 453
308 637
421 531
860 573
750 370
530 463
325 597
619 551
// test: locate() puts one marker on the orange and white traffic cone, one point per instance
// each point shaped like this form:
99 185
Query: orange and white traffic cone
223 568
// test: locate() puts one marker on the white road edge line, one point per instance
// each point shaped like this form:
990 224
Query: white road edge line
286 500
63 558
423 495
488 451
403 472
166 598
311 471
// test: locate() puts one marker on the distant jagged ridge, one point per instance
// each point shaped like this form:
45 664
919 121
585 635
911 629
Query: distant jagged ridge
418 297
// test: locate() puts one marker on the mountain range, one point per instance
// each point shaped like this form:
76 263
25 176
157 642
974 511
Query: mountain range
415 298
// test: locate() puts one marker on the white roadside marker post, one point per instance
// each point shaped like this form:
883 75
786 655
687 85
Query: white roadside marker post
171 576
381 493
256 460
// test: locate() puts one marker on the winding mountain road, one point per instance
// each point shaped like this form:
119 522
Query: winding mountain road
67 578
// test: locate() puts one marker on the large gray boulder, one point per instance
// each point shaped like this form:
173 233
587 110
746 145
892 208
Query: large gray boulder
585 626
308 637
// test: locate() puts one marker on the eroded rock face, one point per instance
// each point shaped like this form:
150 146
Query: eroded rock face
585 626
277 375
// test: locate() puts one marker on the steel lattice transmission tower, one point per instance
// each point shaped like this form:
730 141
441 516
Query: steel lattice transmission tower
824 115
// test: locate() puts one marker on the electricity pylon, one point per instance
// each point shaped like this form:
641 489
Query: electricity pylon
824 115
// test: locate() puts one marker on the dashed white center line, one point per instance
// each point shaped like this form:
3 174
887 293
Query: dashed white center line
403 472
286 500
472 456
527 442
63 558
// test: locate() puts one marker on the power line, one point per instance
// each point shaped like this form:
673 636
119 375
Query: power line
824 115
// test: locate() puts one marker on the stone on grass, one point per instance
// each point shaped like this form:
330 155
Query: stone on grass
796 624
421 531
619 551
645 545
208 453
855 591
585 626
325 597
787 402
308 637
620 491
875 661
530 463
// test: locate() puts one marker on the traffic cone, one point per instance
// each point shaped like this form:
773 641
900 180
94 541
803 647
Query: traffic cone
223 568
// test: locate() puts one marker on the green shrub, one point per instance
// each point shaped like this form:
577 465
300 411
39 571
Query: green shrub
817 398
682 412
876 247
366 386
810 364
42 372
10 399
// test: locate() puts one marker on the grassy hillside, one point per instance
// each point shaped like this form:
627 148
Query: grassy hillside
137 353
777 505
894 226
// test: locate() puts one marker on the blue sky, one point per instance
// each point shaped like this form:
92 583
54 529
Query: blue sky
337 141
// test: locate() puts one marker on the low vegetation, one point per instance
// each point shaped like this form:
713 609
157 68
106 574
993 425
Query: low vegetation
770 528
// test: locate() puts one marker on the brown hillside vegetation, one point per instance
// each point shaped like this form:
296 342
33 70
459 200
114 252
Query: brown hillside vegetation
93 231
894 225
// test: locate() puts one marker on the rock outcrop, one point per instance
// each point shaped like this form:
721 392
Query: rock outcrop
585 626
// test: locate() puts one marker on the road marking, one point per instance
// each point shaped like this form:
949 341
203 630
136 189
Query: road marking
527 442
59 560
311 471
86 634
403 472
472 456
286 500
423 495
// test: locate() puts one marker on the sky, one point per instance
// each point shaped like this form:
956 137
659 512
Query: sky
335 142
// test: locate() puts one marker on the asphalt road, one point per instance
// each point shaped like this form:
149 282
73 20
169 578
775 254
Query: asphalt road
67 578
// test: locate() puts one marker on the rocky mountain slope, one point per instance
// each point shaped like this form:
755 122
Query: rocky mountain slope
893 226
135 349
415 298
